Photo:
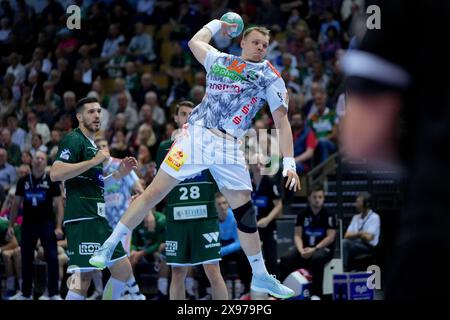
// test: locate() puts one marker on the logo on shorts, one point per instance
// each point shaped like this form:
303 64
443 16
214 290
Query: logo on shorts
212 238
175 158
88 248
171 248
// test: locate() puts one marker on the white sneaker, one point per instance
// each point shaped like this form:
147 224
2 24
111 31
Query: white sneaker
269 284
95 296
315 298
55 297
102 256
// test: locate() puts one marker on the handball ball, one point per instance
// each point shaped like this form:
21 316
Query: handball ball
232 17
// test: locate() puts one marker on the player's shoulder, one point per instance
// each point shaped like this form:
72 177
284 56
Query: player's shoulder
73 136
270 70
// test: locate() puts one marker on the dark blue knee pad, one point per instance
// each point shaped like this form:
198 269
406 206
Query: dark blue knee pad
246 218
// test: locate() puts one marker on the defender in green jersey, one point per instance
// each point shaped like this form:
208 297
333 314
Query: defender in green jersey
192 231
79 163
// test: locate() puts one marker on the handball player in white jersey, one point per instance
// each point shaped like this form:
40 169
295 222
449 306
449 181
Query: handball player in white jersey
236 88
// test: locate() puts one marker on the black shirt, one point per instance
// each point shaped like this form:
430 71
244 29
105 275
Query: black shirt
315 226
263 196
38 197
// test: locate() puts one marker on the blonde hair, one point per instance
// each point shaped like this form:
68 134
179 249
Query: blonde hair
262 30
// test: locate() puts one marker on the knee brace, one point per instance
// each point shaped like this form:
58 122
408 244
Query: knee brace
245 217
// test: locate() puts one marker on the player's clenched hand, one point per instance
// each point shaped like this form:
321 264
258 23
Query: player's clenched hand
101 156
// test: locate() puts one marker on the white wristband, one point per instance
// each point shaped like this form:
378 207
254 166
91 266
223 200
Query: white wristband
214 26
288 164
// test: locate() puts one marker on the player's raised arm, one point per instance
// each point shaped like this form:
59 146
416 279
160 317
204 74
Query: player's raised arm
199 43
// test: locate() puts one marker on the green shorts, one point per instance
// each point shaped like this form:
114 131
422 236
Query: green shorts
84 237
192 242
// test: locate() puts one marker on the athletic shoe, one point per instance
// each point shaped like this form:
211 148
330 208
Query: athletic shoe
102 256
269 284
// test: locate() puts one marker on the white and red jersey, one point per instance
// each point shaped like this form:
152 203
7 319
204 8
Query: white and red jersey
235 91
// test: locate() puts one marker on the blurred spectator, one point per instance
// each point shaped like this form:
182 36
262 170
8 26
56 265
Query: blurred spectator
26 158
10 254
197 93
16 68
317 75
13 150
146 84
5 29
52 145
158 115
324 122
37 145
111 43
7 103
34 126
305 142
8 175
115 67
124 107
119 145
131 77
362 234
17 133
141 45
178 86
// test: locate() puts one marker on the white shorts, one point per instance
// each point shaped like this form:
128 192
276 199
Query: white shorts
197 148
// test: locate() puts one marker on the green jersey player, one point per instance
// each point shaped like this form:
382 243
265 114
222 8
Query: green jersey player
192 234
79 163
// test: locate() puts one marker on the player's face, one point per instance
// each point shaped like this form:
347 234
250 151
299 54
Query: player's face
182 116
254 46
90 117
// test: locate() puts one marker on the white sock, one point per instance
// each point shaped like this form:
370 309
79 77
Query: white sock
118 233
97 278
257 264
190 285
113 289
10 283
132 285
71 295
162 285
